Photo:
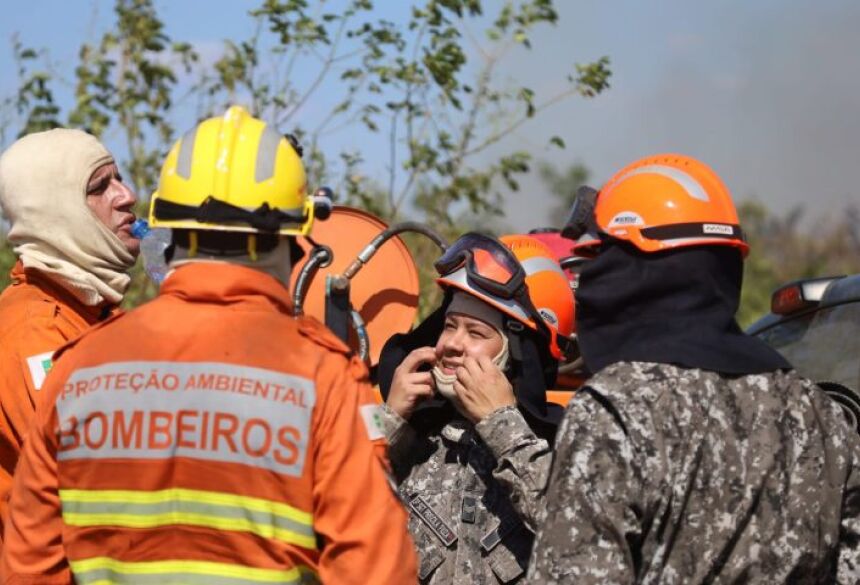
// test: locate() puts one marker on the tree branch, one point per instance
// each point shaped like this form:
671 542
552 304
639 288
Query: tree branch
496 136
323 73
397 202
472 120
392 169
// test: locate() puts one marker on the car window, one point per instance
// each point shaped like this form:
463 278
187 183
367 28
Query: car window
824 345
787 334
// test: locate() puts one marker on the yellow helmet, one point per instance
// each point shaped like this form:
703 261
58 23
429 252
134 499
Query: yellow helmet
233 173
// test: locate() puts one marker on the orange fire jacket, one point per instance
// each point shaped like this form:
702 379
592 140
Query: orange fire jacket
207 437
37 317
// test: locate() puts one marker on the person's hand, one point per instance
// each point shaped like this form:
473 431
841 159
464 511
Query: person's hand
409 386
482 388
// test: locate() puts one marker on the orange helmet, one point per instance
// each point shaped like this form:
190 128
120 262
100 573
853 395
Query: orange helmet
669 201
519 276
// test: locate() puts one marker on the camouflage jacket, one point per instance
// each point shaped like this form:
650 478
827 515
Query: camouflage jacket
672 475
473 494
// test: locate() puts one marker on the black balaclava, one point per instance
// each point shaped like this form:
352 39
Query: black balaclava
531 371
675 307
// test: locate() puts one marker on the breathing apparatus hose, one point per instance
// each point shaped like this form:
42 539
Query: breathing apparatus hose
341 282
360 332
321 256
376 243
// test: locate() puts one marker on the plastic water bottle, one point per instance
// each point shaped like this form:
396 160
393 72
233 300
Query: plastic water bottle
153 243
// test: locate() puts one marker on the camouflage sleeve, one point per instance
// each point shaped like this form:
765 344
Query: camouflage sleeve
522 460
848 569
400 435
590 507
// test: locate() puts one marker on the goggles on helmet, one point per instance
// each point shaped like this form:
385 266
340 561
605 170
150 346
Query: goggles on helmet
581 219
491 267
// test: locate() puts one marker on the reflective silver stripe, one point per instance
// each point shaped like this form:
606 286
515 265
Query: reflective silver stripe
203 410
542 264
693 188
267 154
186 154
181 509
458 277
680 241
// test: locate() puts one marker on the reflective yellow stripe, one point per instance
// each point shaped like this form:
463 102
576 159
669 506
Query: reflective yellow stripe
220 511
105 570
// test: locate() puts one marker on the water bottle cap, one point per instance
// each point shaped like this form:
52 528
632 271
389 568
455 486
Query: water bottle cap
140 228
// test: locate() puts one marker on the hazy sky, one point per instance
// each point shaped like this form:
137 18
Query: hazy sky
767 91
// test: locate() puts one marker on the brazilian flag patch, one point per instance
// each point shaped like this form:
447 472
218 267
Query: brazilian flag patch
39 366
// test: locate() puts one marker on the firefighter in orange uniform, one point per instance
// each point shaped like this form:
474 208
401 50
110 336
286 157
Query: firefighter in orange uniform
70 216
210 436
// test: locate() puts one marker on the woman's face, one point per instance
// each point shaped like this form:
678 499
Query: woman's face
465 336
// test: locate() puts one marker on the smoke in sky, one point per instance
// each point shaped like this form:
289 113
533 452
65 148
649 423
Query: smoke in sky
767 93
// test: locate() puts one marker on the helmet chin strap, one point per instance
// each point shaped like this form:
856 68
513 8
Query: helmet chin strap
445 382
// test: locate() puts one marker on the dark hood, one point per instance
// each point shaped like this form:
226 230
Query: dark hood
531 373
676 307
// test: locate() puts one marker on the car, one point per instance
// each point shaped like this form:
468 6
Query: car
815 324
